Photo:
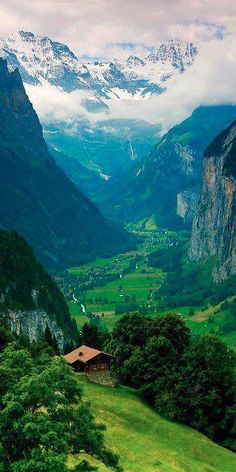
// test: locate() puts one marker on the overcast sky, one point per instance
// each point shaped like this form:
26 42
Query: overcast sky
115 28
97 27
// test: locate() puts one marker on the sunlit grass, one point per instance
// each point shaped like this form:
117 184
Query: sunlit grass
146 442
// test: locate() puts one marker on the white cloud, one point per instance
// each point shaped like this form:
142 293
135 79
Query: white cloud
53 104
97 28
211 80
88 27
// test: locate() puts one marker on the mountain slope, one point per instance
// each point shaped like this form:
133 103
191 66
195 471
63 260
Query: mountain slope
91 183
214 227
107 147
148 442
41 60
29 298
166 182
37 198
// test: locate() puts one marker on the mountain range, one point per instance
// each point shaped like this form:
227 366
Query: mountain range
37 199
41 60
166 183
107 146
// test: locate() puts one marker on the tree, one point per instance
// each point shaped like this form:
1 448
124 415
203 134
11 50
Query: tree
43 417
173 328
201 391
5 334
191 311
51 340
189 381
91 335
206 391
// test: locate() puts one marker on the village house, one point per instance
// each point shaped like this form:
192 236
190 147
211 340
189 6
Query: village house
86 359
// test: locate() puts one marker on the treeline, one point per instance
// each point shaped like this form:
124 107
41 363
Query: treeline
43 416
188 380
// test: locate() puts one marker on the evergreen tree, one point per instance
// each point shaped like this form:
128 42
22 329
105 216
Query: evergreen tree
51 340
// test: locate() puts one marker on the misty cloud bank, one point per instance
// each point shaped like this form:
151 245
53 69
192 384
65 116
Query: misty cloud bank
112 28
210 81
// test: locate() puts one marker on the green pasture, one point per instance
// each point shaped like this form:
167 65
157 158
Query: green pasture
145 441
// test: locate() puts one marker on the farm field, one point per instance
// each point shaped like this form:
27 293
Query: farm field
107 288
134 288
206 321
147 442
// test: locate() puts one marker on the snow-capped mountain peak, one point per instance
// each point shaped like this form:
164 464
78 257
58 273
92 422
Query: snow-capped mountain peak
41 60
180 54
134 61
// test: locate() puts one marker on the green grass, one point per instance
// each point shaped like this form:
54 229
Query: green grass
202 326
73 461
146 442
75 311
138 283
199 322
150 224
133 284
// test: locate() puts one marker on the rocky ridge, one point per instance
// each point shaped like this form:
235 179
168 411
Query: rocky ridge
29 298
33 323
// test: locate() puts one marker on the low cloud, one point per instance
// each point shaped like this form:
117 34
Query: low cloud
210 81
54 105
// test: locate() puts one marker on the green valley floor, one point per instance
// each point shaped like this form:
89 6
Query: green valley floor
127 282
145 441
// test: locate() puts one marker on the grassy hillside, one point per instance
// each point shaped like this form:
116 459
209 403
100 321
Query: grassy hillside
208 321
147 442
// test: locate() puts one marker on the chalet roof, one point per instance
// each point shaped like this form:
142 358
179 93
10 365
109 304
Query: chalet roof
83 354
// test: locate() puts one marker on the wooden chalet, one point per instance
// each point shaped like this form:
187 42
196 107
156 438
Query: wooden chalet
87 359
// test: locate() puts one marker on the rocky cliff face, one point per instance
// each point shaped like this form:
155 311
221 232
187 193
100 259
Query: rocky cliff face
166 183
29 298
37 199
33 323
186 204
214 227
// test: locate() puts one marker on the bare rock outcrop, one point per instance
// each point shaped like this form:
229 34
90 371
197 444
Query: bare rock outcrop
214 227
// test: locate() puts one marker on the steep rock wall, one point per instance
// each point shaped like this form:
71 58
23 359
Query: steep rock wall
214 227
33 324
